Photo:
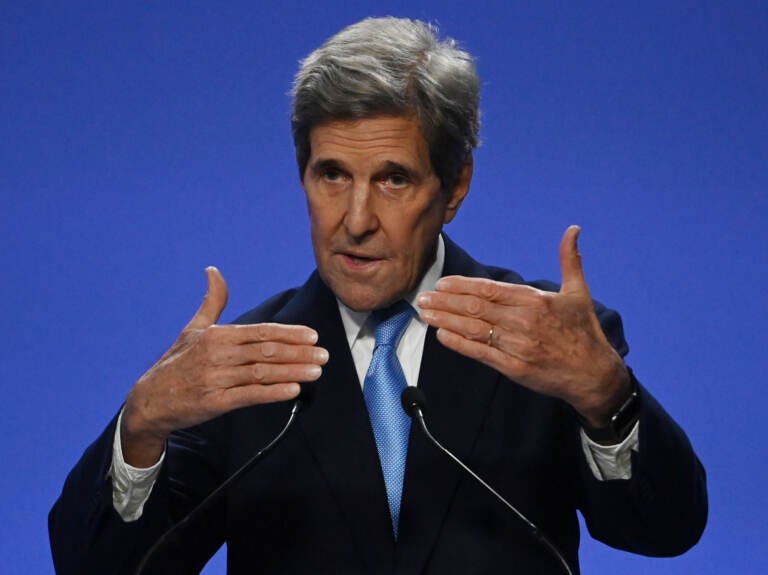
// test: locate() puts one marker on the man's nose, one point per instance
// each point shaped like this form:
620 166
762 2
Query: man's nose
361 218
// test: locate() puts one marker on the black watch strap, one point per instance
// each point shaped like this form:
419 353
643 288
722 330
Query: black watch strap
620 423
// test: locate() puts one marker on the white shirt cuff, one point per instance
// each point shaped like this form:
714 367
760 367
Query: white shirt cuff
609 462
131 486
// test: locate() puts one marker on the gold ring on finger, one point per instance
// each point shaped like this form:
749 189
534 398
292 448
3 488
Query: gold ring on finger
490 336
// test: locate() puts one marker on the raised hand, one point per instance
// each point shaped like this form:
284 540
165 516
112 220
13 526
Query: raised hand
212 369
550 342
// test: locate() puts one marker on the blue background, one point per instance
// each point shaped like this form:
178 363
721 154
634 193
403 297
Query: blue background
142 141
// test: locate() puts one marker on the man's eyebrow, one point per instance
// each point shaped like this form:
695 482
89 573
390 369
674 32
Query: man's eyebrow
389 167
323 164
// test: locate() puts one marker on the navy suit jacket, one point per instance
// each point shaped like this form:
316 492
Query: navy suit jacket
318 503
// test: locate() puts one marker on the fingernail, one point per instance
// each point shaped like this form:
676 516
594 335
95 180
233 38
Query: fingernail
427 315
442 283
314 371
311 337
321 355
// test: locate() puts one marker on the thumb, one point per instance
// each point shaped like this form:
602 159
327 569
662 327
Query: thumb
570 264
214 302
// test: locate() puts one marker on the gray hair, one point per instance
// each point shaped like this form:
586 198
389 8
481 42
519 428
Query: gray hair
392 66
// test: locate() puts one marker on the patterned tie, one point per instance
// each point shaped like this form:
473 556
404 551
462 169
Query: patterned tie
384 383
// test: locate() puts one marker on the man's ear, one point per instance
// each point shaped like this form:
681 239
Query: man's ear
459 190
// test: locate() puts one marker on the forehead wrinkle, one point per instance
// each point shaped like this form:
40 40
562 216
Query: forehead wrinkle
383 139
402 144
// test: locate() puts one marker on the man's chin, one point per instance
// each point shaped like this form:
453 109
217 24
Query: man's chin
363 304
362 295
365 300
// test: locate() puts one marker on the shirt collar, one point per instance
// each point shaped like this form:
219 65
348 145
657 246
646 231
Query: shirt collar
354 321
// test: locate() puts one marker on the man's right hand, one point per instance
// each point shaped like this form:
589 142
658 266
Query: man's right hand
212 369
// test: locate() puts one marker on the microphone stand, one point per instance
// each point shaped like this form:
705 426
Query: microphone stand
413 401
301 402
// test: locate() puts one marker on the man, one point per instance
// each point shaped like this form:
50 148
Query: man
526 382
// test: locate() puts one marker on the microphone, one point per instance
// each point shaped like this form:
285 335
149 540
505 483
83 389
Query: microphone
303 401
414 403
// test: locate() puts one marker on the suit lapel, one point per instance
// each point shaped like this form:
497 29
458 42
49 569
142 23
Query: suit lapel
458 391
338 432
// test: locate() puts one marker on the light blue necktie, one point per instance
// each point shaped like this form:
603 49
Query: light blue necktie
384 383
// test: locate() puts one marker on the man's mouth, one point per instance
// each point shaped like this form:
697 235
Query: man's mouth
360 260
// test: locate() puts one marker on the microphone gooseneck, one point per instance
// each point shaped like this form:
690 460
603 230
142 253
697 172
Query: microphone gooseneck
414 402
303 401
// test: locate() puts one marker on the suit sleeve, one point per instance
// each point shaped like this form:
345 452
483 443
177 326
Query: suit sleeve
662 509
87 535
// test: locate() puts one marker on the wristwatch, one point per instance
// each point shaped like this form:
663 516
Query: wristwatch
620 423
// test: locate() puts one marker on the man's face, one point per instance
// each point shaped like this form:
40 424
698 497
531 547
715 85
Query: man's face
376 207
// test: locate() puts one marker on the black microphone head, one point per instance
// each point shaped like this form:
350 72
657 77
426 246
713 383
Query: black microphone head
306 395
413 400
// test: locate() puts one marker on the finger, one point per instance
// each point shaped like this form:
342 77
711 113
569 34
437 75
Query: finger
470 328
570 264
214 302
483 288
267 374
246 395
263 332
268 352
474 316
469 306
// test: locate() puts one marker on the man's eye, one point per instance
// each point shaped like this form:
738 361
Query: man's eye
332 175
396 180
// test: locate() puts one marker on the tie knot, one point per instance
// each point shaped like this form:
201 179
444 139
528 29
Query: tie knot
390 322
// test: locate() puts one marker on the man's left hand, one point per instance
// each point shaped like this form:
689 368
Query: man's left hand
550 342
